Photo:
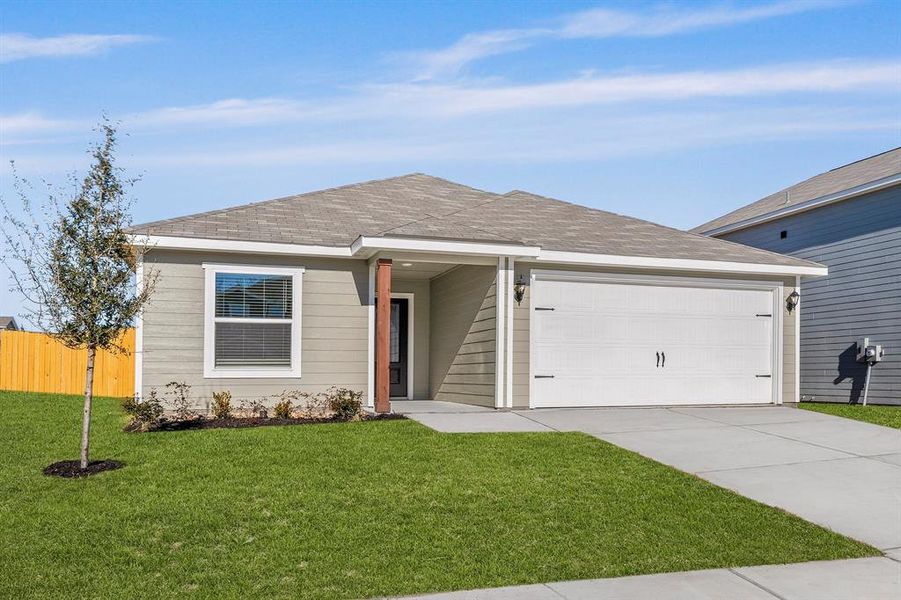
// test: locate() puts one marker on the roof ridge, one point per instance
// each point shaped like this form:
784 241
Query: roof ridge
854 162
442 217
445 180
282 199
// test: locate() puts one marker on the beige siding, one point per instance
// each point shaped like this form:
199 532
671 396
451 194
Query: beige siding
521 328
454 329
420 290
790 347
521 331
333 325
463 328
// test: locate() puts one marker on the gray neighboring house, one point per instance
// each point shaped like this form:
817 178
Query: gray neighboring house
419 288
8 324
849 219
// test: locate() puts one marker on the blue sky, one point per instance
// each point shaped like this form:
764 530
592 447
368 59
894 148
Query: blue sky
673 112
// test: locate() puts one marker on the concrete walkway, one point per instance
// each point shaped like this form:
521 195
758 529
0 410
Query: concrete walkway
842 474
863 578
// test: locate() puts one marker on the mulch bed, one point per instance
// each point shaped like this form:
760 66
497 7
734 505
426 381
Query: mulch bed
72 468
238 422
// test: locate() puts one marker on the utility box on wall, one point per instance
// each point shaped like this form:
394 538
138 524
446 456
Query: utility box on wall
869 353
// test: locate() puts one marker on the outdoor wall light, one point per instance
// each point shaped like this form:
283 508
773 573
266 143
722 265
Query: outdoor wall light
519 290
791 303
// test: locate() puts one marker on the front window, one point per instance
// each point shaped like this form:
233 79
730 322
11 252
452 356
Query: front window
252 321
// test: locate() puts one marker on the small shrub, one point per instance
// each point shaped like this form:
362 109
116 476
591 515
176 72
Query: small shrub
145 413
179 393
307 406
251 408
314 405
345 404
283 409
222 404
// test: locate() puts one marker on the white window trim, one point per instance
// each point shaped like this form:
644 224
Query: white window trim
210 370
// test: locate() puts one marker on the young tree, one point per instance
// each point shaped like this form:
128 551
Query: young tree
74 263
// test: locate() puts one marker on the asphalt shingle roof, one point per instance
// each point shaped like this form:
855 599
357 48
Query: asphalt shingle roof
837 180
422 206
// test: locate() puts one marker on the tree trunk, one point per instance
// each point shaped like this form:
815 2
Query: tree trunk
88 396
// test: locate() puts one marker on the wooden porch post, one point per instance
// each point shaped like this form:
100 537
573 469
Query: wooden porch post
382 335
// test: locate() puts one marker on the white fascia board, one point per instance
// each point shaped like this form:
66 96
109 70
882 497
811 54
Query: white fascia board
677 264
364 246
443 246
361 247
165 242
808 205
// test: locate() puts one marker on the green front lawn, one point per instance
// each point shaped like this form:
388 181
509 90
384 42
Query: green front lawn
355 510
889 416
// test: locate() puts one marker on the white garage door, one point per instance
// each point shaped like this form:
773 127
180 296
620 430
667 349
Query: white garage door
609 343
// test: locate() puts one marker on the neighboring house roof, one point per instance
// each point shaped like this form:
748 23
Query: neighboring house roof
853 178
8 323
421 206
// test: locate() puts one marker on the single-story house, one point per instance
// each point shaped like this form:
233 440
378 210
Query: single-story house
849 219
8 324
416 287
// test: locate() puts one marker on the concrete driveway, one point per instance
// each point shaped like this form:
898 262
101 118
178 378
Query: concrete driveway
842 474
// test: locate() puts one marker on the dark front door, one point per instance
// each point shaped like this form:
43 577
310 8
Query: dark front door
397 351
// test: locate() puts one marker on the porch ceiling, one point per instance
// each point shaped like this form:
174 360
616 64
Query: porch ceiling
412 270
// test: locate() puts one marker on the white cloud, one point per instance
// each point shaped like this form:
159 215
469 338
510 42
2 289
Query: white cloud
460 99
231 111
665 20
18 46
30 122
32 127
407 103
473 47
623 131
589 138
661 20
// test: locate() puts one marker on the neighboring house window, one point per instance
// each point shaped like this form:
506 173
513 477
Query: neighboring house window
252 321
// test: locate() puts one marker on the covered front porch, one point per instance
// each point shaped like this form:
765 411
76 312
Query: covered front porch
440 333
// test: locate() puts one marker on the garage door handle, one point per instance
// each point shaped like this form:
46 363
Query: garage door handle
544 377
658 359
763 376
763 315
543 308
663 357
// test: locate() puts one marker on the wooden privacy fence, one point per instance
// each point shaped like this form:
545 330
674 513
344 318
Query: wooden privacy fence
35 362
